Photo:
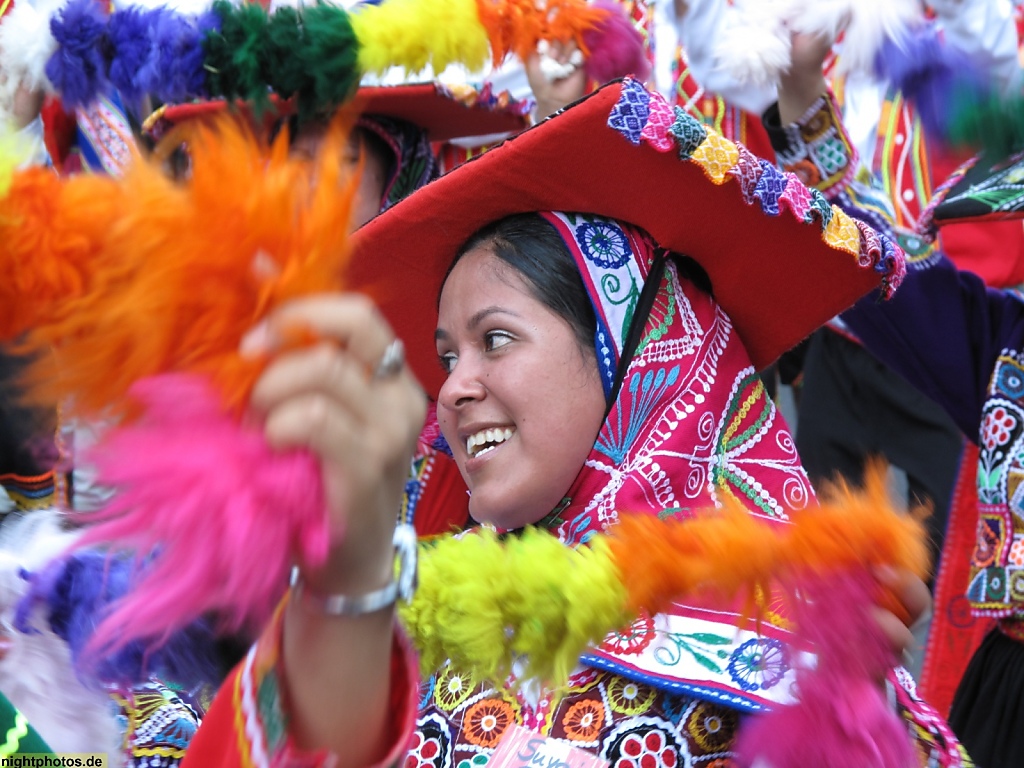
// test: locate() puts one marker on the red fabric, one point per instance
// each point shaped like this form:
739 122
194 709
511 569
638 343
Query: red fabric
214 743
217 741
444 505
575 162
993 250
955 632
58 131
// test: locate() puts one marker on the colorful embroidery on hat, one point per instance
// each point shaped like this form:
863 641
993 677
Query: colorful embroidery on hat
716 157
842 232
629 115
820 208
770 187
689 133
659 120
796 197
747 172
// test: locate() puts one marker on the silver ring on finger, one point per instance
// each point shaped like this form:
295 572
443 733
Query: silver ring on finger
392 361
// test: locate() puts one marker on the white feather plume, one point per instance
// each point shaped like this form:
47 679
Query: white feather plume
26 44
866 25
36 672
754 45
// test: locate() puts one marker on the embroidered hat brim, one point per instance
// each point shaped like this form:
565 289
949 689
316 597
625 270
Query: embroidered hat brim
781 260
444 113
982 189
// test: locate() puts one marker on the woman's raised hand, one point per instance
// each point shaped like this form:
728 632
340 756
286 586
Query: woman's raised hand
361 421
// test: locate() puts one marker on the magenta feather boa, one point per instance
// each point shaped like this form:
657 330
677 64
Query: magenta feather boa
204 504
843 718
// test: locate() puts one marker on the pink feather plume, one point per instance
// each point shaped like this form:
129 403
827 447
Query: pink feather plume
205 504
615 47
843 719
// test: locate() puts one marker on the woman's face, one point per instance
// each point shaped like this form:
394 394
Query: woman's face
522 404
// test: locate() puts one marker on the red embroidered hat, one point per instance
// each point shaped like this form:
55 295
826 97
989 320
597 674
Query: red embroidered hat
781 260
443 112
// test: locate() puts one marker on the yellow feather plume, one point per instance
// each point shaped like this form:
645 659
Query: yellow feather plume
415 33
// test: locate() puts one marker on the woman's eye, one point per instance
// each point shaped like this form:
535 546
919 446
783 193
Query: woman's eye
447 361
496 339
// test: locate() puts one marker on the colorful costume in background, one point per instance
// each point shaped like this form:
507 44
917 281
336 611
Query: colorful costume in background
959 342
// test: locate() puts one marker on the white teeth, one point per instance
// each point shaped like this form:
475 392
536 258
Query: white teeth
486 439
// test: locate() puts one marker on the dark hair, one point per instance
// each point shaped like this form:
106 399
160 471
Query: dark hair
531 246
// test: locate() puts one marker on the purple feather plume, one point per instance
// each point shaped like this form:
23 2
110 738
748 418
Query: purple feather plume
130 41
76 68
77 592
616 48
168 73
932 75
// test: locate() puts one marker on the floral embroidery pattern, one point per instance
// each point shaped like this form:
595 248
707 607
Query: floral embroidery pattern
604 244
712 727
486 721
759 663
633 640
650 747
584 720
452 688
629 698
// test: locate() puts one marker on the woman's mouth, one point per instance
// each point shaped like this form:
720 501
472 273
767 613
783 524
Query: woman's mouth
487 440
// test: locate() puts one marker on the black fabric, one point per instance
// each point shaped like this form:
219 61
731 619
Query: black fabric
988 709
26 443
853 408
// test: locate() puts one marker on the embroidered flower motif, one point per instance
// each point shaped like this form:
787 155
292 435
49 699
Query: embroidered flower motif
603 243
486 721
647 750
760 663
997 428
584 720
716 157
842 233
629 698
452 688
688 132
770 186
712 727
660 118
1010 379
747 172
629 115
424 751
633 640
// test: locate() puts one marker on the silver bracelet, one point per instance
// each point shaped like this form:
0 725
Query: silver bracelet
402 586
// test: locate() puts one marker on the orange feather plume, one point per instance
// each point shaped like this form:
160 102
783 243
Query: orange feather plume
189 267
731 552
50 235
516 26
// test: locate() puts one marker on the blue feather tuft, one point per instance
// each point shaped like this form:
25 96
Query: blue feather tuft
932 75
130 42
76 68
77 593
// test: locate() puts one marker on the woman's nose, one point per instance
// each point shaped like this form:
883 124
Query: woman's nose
463 385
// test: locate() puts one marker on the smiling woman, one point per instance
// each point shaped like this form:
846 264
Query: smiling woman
587 376
517 370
